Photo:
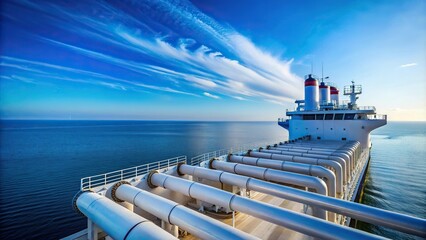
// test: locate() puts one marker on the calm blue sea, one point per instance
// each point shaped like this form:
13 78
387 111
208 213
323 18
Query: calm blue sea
42 163
396 178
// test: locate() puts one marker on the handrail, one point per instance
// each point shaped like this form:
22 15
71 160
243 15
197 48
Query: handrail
195 161
367 108
90 182
377 117
284 119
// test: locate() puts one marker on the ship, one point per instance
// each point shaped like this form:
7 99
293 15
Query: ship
304 187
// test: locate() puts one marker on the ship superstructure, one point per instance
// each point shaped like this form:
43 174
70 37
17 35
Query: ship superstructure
304 187
323 117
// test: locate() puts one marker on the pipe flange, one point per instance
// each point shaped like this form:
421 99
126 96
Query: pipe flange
177 168
114 189
148 180
210 165
74 201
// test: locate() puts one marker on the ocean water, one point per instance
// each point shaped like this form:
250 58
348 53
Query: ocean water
396 178
42 163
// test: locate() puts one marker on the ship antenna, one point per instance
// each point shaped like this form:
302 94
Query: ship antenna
322 71
312 67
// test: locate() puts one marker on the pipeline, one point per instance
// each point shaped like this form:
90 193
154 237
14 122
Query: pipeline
352 147
340 160
340 172
377 216
272 175
106 214
307 169
195 223
298 222
249 183
344 154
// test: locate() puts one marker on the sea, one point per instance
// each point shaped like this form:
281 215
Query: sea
42 162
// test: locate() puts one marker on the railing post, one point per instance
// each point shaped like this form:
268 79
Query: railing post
105 180
90 182
121 173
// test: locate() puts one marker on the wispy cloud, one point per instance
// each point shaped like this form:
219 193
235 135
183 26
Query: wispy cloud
45 71
215 60
408 65
211 95
239 98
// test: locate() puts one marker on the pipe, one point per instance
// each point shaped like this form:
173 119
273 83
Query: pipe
306 169
241 181
341 161
377 216
347 156
349 146
106 214
298 222
315 161
272 175
348 152
195 223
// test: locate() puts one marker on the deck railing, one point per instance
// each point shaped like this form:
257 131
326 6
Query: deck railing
377 117
195 161
88 183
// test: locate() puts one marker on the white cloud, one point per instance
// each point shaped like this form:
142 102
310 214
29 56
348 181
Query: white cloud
408 65
211 95
241 69
240 98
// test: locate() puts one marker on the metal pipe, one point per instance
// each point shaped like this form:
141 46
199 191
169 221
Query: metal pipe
346 155
326 145
341 161
298 222
106 214
272 175
195 223
243 182
319 149
377 216
301 168
340 172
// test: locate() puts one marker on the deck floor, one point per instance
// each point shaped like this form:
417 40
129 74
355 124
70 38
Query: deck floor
263 229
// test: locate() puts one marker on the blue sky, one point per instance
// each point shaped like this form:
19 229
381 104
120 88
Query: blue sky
206 60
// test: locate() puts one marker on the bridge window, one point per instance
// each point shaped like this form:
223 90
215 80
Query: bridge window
349 116
309 117
328 116
338 116
319 116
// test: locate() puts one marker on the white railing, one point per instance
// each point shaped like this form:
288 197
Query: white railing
88 183
195 161
377 117
284 119
367 108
